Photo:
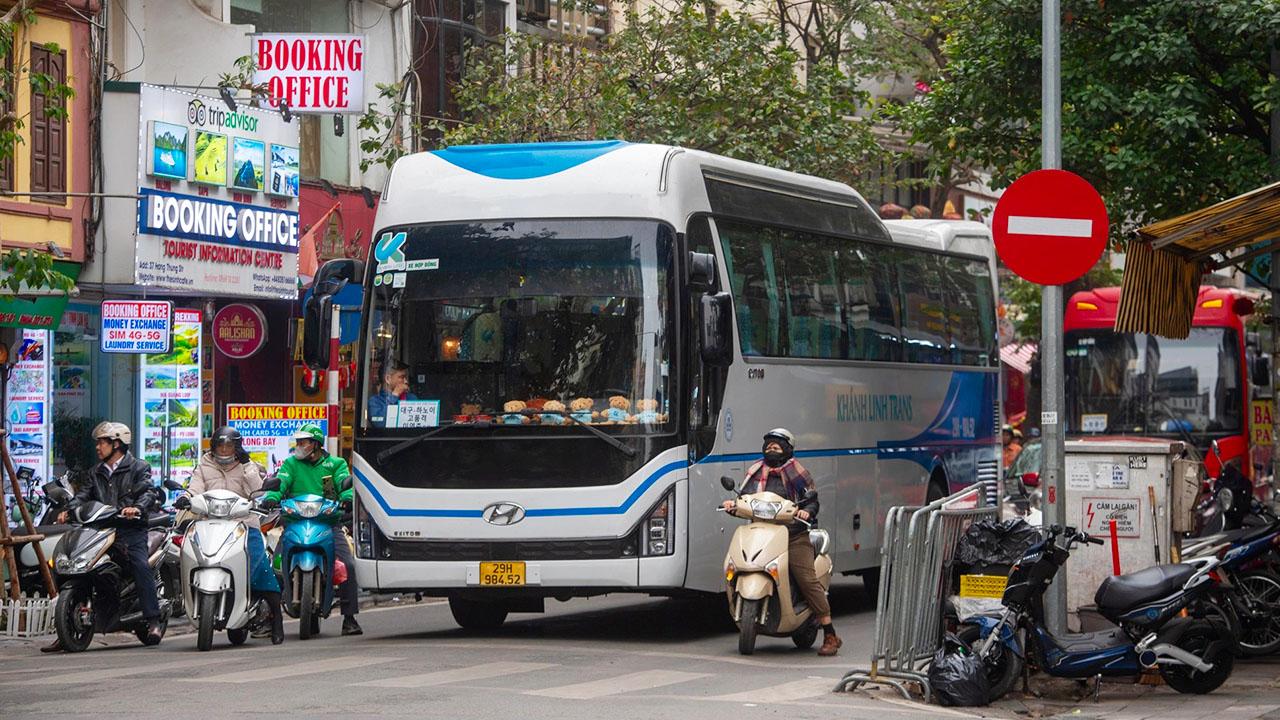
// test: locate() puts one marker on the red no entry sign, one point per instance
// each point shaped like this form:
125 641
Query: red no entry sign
1050 227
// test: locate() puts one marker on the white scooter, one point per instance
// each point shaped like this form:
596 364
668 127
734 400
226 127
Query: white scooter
757 575
215 569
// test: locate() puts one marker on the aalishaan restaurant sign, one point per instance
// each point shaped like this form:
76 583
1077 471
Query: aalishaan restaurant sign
239 331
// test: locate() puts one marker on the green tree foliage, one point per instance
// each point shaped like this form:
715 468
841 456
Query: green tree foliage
677 75
26 269
1165 104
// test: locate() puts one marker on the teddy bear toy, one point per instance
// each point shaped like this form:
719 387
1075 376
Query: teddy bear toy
619 411
580 409
556 414
514 413
648 412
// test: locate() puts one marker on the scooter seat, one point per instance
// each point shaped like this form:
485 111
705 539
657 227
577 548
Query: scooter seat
159 520
154 540
1124 592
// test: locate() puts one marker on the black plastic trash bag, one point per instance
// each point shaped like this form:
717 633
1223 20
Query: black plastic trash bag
990 543
957 676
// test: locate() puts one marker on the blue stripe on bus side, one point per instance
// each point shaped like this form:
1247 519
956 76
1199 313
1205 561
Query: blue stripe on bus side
886 452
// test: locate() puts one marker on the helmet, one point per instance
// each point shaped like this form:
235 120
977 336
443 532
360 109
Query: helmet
227 434
113 431
781 434
309 432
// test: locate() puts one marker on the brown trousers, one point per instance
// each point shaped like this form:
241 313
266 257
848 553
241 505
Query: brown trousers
801 556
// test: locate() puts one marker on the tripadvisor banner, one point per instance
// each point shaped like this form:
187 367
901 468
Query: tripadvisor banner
170 401
44 312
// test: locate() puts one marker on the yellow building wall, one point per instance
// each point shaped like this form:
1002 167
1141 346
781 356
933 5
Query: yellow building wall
21 228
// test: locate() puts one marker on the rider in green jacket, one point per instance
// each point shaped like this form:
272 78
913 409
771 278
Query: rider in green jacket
313 471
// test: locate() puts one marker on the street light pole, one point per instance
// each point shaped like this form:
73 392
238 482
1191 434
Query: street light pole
1051 354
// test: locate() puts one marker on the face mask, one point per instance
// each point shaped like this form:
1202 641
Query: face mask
301 453
224 460
773 459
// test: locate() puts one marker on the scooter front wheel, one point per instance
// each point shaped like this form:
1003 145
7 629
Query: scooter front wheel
1003 664
73 617
748 625
1204 640
206 605
308 624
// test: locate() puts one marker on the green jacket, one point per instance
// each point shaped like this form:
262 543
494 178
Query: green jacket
300 477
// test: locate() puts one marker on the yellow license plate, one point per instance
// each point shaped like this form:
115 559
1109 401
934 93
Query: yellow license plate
504 574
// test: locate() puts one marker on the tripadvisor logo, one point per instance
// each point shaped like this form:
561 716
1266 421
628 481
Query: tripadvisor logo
200 114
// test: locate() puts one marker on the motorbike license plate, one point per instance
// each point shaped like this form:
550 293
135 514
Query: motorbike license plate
503 574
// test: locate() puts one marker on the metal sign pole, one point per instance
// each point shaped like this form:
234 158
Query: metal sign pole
1051 353
333 394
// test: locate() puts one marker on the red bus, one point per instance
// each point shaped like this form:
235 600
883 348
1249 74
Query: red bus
1199 389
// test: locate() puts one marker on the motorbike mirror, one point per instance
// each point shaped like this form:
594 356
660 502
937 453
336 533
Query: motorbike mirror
271 484
1031 479
57 493
172 485
727 483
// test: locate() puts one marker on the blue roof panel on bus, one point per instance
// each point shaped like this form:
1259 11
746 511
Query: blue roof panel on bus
522 161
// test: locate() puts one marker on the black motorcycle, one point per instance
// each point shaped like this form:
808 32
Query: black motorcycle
96 592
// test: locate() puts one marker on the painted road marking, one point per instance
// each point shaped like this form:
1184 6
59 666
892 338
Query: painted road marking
305 666
443 677
71 679
631 682
786 692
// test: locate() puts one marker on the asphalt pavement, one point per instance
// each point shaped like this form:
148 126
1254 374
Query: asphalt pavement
616 657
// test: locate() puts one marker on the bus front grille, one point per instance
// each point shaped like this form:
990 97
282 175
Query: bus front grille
449 550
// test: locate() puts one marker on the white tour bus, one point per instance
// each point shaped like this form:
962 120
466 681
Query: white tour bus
592 334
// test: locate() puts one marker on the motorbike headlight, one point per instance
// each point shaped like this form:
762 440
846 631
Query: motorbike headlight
765 510
309 509
81 563
220 508
62 563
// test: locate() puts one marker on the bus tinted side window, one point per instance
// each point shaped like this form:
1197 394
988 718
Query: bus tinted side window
749 252
814 311
970 310
924 326
870 276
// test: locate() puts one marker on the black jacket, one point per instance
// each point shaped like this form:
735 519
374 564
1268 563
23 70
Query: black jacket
129 486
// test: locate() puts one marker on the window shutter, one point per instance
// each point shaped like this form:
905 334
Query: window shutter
48 134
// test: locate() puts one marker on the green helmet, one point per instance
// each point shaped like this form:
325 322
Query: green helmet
309 432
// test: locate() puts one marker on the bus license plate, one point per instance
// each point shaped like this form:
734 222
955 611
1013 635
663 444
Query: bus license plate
506 574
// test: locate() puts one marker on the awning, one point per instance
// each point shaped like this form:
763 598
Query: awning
1164 263
1018 356
39 308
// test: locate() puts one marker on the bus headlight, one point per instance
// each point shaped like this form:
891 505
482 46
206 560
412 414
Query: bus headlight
655 530
364 531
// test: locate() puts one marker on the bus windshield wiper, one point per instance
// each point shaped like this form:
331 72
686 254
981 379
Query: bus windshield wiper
394 450
615 442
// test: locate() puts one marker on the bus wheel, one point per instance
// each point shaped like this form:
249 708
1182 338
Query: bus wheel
476 615
937 488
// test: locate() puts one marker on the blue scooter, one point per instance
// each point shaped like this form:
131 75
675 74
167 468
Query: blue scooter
306 552
1194 655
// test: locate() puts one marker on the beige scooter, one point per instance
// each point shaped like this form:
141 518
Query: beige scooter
756 573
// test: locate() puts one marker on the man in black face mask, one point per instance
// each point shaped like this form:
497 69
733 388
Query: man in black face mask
780 473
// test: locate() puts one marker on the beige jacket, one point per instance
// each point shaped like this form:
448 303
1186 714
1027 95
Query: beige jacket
243 479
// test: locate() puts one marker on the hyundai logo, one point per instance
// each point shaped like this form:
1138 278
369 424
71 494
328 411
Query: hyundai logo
503 513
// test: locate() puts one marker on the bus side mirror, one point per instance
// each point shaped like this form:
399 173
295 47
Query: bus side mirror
702 272
317 316
715 331
1262 371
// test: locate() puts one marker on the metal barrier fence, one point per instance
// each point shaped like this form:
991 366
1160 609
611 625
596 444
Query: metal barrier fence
919 545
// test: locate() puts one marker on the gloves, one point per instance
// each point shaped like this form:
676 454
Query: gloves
268 503
182 503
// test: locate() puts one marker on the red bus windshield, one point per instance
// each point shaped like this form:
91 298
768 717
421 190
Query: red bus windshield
1149 385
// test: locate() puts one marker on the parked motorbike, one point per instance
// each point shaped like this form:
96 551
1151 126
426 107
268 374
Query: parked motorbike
758 584
215 569
1194 655
56 497
1246 592
306 559
96 592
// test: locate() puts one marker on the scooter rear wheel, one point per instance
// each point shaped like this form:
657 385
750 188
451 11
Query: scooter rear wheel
1003 665
805 637
1205 641
748 625
1260 633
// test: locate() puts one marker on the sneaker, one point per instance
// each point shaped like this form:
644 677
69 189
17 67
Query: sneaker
350 626
262 632
53 647
830 645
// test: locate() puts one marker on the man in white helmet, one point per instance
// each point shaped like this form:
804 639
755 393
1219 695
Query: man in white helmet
124 482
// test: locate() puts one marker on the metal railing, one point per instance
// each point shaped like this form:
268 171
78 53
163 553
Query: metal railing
916 554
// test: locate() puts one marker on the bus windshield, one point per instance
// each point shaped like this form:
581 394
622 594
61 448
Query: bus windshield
534 324
1144 384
